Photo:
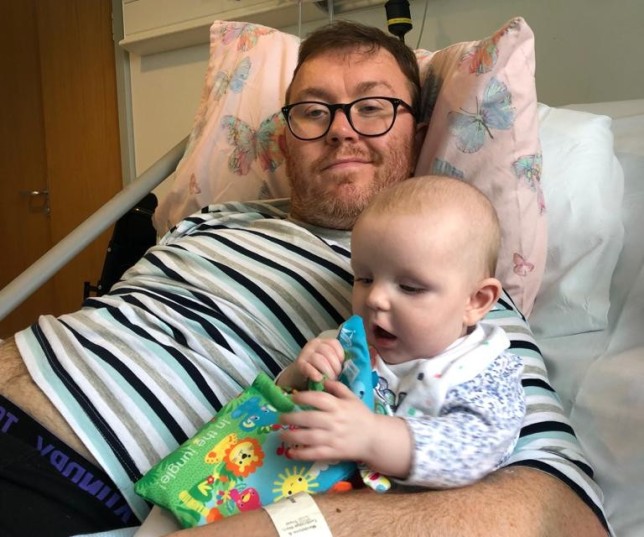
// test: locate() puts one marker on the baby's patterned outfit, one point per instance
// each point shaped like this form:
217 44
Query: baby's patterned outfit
464 407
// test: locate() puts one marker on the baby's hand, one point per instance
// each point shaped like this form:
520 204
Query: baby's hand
319 359
332 425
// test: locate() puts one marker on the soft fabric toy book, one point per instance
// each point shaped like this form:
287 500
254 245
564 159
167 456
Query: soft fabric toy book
237 462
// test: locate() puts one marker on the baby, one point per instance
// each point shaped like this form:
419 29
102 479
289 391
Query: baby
449 401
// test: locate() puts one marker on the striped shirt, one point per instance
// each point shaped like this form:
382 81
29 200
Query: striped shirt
231 291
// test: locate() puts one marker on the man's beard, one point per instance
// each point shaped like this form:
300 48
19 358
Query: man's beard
328 211
312 203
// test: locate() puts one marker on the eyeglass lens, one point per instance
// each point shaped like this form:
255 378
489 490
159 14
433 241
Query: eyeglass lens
368 116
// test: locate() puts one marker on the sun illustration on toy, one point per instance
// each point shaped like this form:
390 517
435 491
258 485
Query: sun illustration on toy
290 483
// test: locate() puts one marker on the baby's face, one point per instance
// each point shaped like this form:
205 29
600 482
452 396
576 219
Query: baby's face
411 286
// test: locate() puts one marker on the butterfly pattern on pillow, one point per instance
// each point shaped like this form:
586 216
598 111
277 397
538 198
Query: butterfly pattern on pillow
193 186
443 167
264 144
521 266
495 111
233 80
482 57
245 36
528 167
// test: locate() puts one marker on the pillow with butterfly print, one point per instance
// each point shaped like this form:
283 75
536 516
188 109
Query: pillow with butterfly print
234 149
479 100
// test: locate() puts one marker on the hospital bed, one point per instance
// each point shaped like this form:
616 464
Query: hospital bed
589 309
598 372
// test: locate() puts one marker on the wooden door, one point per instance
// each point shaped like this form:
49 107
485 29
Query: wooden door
58 133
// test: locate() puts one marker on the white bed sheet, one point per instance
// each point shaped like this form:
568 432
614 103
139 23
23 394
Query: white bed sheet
599 375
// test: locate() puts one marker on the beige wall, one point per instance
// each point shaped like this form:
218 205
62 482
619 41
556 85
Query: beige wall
587 51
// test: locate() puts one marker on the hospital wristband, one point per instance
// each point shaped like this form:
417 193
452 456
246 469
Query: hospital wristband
298 516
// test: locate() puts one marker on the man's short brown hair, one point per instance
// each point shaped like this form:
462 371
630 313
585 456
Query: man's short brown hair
347 36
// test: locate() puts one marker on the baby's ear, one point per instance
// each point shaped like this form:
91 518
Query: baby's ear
482 300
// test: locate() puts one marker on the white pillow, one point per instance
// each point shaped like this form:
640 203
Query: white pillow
583 184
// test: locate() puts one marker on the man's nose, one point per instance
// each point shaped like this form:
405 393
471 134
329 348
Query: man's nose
340 128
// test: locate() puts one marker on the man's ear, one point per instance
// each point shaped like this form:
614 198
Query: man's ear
419 138
482 300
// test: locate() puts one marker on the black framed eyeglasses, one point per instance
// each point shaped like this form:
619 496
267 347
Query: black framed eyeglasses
368 116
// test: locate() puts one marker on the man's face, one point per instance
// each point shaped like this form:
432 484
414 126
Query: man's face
333 178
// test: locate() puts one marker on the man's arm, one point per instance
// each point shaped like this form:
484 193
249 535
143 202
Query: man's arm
17 386
512 502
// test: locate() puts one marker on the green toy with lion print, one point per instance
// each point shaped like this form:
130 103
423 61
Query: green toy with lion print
237 462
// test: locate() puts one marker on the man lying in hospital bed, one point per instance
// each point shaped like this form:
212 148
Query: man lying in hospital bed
149 385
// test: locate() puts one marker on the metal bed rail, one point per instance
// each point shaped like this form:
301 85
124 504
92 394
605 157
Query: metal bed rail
19 289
